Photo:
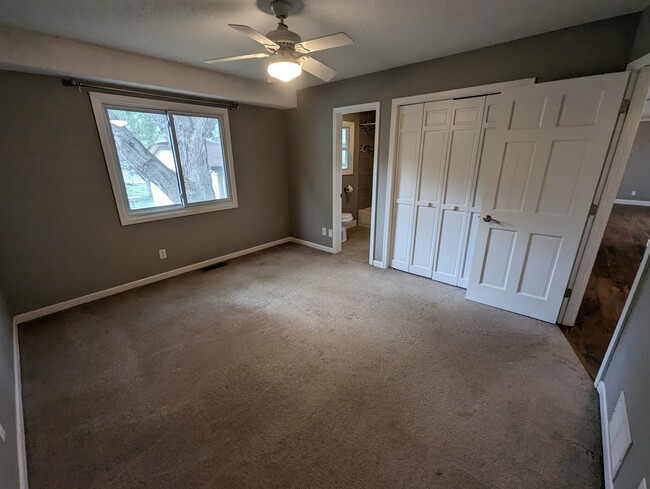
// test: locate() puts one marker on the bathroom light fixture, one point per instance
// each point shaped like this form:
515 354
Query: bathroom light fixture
284 67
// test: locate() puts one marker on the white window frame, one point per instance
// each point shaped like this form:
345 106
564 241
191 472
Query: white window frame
349 148
101 101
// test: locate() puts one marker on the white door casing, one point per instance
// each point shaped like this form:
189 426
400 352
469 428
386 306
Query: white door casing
540 182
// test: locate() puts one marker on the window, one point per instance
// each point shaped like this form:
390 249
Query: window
165 159
347 148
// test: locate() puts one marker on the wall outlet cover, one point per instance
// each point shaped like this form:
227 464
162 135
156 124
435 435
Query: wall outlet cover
329 233
633 193
3 435
324 231
162 253
620 438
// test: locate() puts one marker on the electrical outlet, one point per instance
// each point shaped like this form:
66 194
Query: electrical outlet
324 231
329 233
633 193
162 253
3 435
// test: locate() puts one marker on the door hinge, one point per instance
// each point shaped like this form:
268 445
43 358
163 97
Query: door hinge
568 292
593 209
625 105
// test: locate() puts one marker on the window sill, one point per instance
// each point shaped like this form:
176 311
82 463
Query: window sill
158 215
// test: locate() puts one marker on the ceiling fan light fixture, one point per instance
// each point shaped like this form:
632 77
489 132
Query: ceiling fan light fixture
284 68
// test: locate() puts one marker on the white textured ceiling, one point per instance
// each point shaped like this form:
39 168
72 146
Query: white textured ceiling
388 33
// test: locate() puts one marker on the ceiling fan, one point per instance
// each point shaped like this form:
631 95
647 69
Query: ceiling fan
288 53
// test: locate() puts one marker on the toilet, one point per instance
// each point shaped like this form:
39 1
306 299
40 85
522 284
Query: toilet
346 218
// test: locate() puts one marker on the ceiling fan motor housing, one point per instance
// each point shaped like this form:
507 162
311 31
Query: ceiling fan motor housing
283 37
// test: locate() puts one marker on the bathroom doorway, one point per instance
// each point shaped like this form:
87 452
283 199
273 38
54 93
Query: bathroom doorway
620 253
356 137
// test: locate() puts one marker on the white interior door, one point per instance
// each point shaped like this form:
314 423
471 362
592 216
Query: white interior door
456 189
548 155
491 115
433 155
407 158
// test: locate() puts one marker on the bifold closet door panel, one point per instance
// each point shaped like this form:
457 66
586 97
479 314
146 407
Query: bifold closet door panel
464 135
491 115
433 155
406 170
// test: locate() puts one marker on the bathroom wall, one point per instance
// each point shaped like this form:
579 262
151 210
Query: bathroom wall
637 173
349 203
365 148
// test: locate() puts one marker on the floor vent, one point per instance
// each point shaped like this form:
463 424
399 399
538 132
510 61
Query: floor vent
214 267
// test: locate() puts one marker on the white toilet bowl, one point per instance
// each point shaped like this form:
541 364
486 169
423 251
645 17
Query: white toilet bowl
346 217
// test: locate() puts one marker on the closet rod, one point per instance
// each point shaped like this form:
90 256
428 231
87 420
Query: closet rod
69 82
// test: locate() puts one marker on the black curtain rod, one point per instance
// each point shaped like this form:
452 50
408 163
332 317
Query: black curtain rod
69 82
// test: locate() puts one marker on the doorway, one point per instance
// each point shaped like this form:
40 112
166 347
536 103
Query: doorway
356 141
619 256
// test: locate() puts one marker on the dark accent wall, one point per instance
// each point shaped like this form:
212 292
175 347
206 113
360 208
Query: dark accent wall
637 171
365 160
641 45
8 453
61 236
589 49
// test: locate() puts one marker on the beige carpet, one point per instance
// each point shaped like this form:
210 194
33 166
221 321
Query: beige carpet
292 368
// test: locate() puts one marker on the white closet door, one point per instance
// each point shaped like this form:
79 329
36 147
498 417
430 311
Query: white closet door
433 155
492 113
540 182
407 158
464 135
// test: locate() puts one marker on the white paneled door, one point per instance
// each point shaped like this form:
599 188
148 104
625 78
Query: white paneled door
540 180
408 156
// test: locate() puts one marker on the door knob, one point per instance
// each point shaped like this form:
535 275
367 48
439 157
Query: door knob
489 218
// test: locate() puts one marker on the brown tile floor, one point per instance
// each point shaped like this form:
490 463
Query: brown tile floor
358 243
618 260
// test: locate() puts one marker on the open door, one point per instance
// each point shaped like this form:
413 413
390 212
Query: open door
549 152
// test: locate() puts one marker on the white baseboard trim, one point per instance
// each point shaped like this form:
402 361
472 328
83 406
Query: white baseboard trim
47 310
604 426
378 264
642 203
21 452
316 246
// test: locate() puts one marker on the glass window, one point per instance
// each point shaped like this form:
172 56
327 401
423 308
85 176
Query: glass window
347 145
165 159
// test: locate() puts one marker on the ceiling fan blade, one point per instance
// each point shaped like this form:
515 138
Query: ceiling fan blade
256 36
236 58
322 43
316 68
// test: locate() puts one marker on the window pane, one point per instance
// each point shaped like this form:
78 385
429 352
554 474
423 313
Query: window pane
344 159
344 137
146 159
201 157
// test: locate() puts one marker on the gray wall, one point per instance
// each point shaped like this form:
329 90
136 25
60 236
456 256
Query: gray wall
629 371
61 236
589 49
637 171
8 453
641 45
